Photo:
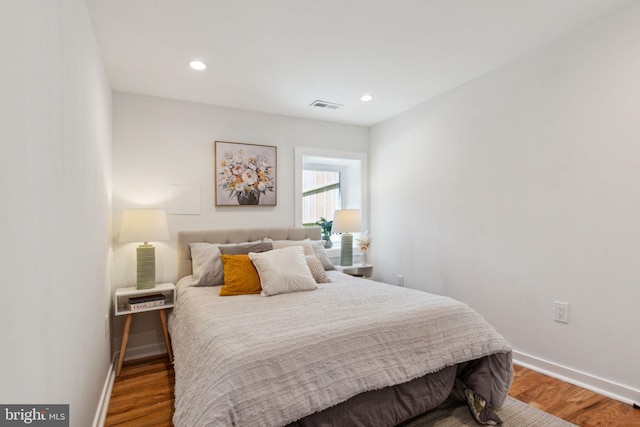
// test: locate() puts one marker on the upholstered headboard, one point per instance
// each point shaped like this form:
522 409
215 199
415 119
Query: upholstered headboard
237 236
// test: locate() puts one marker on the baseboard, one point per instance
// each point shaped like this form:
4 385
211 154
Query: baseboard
134 353
105 397
596 384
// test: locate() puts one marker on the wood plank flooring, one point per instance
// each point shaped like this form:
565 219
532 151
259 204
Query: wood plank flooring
571 403
143 397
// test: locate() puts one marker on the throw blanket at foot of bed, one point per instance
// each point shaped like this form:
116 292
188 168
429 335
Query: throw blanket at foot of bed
268 361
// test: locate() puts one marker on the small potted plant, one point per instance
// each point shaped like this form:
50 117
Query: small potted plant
326 231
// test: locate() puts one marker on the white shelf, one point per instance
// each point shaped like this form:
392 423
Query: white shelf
122 295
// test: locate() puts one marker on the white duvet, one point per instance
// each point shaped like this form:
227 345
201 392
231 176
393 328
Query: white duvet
267 361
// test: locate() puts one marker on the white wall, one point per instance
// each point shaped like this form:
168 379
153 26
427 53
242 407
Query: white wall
55 181
523 187
158 143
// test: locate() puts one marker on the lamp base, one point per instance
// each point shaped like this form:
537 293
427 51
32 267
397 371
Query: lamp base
346 249
146 255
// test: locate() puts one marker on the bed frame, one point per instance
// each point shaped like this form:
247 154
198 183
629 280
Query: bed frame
238 235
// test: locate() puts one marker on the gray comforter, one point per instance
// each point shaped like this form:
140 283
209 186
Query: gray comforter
269 361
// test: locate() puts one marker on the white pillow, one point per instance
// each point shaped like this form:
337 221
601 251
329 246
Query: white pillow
283 271
305 244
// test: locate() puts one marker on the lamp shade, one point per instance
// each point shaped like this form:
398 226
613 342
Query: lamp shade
144 225
346 221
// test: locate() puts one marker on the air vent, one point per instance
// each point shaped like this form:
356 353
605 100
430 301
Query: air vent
325 104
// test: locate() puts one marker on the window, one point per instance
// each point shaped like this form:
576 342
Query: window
320 195
327 181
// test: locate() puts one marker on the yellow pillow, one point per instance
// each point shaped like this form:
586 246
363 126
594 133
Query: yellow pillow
240 276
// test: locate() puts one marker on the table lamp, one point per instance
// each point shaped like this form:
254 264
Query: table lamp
345 222
145 225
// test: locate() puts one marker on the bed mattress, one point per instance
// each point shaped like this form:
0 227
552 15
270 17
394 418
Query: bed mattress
251 360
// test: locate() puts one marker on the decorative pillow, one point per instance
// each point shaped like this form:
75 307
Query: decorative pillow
245 248
206 264
316 269
283 270
321 253
306 245
240 276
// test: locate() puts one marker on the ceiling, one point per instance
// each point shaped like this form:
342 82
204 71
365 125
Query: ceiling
278 56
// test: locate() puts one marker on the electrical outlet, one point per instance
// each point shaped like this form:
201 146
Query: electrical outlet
400 280
561 312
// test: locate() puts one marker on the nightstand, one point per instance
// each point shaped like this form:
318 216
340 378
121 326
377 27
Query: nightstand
121 308
360 270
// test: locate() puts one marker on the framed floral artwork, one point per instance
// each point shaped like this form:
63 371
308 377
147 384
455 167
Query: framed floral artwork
245 174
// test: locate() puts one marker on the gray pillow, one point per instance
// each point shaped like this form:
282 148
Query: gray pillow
245 248
206 264
318 248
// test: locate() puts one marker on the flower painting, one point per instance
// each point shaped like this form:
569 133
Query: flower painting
245 174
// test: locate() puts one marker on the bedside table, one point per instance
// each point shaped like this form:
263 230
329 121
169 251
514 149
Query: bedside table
121 308
360 270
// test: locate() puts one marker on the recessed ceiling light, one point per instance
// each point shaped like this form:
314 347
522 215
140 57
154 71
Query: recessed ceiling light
198 65
366 98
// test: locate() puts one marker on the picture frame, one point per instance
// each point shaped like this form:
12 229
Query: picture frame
245 174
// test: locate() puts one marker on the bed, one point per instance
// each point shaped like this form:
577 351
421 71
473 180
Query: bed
349 352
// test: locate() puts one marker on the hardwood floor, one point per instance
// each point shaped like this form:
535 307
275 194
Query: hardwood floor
143 397
571 403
